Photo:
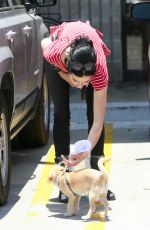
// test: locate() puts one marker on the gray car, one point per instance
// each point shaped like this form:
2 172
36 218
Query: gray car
24 89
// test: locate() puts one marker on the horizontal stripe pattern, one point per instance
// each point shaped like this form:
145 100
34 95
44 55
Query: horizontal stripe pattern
66 33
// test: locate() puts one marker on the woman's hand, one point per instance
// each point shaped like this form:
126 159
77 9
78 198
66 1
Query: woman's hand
82 150
75 158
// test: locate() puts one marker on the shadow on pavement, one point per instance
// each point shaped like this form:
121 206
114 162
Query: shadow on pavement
57 210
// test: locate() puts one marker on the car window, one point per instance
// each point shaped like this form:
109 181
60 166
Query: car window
16 2
3 3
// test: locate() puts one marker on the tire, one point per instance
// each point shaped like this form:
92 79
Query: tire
5 152
36 132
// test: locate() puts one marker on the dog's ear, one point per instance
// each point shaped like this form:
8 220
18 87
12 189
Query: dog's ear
50 178
62 164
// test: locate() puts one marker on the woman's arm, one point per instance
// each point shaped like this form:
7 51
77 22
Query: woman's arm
100 99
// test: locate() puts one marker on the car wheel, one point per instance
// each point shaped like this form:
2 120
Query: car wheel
36 132
5 162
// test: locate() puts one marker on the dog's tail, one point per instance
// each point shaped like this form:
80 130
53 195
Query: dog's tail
101 162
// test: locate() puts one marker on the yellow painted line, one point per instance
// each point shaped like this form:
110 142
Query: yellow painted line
100 225
43 190
108 144
95 225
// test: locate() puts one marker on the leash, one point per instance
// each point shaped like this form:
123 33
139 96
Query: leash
66 180
67 183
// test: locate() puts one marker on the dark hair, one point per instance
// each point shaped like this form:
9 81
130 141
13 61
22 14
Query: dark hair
82 51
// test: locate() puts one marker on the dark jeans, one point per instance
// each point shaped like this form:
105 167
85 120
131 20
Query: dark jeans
60 92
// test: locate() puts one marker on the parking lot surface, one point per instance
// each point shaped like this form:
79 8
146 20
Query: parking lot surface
33 202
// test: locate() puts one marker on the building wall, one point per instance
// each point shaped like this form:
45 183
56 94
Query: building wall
104 15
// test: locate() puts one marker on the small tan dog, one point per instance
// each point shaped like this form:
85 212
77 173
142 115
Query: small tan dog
83 181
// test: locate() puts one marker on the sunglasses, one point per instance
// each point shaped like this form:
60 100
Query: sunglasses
78 66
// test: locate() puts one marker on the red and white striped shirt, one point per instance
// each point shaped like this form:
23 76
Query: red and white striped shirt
66 33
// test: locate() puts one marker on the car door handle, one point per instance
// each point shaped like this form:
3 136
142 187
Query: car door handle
36 72
10 35
27 30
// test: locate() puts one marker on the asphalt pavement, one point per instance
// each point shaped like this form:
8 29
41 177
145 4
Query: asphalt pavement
33 203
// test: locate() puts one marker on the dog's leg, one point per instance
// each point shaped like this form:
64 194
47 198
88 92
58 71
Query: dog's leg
70 206
76 204
106 205
92 200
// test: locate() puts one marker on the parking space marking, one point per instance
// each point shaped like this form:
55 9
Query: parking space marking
100 225
44 190
108 144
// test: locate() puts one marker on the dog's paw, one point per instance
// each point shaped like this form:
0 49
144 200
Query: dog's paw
106 215
86 217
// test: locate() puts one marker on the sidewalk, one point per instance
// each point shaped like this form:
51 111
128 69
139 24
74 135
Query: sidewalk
129 150
128 111
128 92
127 105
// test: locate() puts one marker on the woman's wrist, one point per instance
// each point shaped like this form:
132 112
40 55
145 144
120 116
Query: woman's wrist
83 146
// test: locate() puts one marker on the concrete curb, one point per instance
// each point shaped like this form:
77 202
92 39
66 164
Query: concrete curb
128 111
121 114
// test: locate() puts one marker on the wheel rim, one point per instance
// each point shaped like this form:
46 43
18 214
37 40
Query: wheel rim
45 103
3 149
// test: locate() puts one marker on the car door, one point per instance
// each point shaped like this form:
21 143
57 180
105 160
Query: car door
13 22
21 37
33 66
36 30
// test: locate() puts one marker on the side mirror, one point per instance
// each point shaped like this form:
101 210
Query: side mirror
42 3
140 11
